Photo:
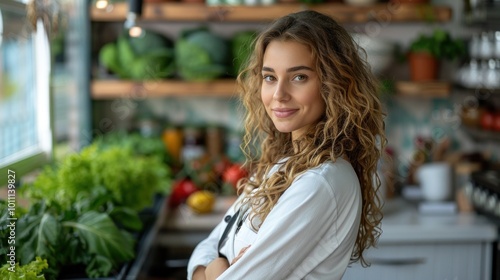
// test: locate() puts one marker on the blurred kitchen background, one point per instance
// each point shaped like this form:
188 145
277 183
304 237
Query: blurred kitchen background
158 78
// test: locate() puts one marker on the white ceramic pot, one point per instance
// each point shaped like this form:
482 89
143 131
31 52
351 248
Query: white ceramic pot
435 181
379 52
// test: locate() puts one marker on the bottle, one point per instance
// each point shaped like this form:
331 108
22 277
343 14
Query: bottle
193 145
214 141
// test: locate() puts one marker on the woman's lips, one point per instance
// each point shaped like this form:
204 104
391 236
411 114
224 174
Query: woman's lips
284 113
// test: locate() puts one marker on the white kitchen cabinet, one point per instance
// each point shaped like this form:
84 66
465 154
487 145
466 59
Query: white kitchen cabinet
453 261
413 246
416 246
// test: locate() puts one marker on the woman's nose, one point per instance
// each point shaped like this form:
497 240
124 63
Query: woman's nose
281 92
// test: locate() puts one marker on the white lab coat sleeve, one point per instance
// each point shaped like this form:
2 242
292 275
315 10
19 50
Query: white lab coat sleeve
291 231
207 250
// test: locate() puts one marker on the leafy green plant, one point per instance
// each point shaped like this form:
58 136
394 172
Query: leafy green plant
125 176
69 237
85 208
30 271
439 44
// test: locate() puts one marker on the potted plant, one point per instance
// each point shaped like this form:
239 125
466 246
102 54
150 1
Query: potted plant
426 52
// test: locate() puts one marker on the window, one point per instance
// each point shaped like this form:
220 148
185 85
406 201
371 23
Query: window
25 130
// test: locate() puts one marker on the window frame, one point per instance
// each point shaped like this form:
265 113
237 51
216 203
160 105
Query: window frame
27 160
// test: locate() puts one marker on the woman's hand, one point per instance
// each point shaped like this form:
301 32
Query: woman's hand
242 251
219 265
216 268
199 273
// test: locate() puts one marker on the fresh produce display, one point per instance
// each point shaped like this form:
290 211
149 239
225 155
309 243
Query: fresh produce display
205 178
181 191
125 178
201 202
148 57
84 211
233 174
197 55
201 55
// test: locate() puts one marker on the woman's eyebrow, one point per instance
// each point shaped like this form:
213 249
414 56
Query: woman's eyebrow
291 69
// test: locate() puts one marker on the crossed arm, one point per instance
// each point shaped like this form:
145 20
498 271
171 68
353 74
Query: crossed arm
215 268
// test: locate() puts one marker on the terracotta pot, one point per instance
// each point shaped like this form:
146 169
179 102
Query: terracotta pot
423 66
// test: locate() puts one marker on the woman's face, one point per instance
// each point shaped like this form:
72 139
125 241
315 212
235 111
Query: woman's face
291 89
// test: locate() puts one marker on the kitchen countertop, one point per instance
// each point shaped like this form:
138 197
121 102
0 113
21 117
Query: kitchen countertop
402 223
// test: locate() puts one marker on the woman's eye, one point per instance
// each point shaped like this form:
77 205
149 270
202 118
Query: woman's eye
300 77
268 78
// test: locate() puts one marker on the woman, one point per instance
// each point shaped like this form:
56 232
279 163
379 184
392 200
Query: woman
313 135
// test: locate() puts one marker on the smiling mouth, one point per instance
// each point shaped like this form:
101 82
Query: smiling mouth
284 113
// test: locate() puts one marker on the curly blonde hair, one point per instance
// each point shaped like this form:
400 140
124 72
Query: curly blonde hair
352 126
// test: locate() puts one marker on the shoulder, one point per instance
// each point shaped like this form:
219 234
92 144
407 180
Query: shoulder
337 178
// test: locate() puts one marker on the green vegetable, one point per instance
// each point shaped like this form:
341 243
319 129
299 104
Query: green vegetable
131 179
201 55
126 55
68 237
39 235
147 57
215 46
154 65
102 238
30 271
149 42
82 206
108 56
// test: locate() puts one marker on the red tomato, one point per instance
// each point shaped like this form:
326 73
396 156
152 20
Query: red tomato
487 120
181 191
496 122
233 174
221 164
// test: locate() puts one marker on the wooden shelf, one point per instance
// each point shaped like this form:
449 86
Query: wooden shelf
482 135
114 89
382 13
433 89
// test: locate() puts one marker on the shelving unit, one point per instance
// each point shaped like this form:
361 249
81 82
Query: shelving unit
110 89
434 89
383 13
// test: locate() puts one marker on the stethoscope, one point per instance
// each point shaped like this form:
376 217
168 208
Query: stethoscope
237 218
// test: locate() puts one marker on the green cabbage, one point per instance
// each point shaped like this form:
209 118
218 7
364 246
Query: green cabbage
201 55
147 57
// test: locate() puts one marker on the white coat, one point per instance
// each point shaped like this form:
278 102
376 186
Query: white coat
309 234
